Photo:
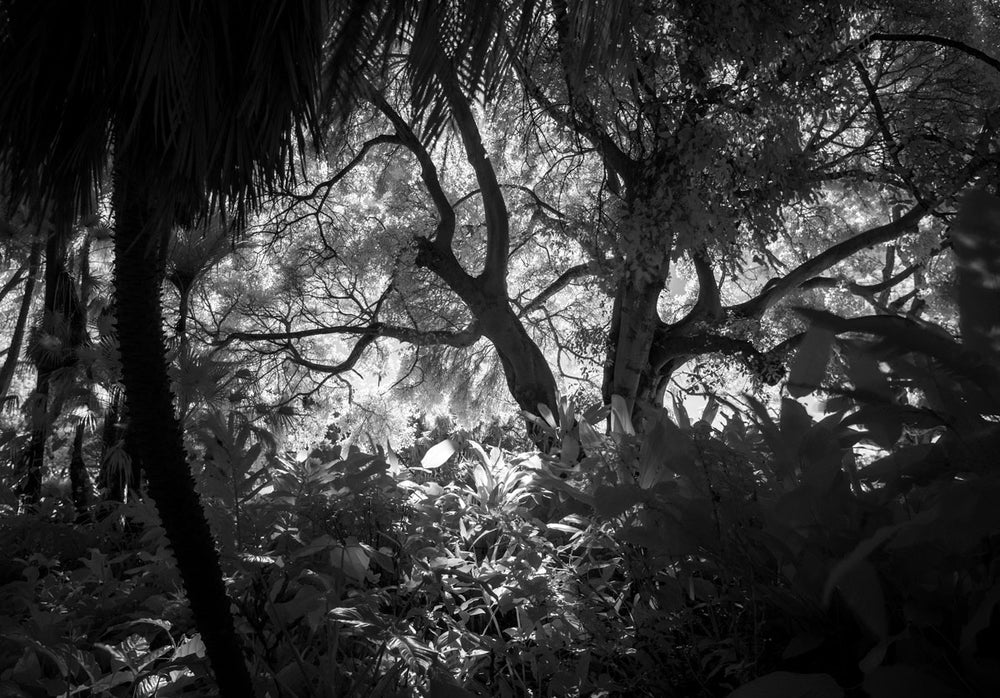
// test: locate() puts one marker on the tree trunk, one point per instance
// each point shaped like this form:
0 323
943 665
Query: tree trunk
634 326
17 338
54 323
78 478
31 490
111 434
528 375
139 232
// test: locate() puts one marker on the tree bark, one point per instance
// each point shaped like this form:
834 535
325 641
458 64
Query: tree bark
528 375
139 232
54 313
17 337
78 478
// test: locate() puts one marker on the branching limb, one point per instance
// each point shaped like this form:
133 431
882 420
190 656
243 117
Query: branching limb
940 41
445 233
494 274
777 289
355 161
344 366
572 274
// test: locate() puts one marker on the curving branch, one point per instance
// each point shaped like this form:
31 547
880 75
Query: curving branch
327 184
494 274
862 289
575 272
776 289
455 338
940 41
343 367
574 120
445 233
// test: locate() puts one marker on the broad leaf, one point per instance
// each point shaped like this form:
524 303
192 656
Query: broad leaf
438 454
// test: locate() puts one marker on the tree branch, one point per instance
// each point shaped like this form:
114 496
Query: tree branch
344 366
611 153
455 338
494 273
777 289
562 281
445 233
940 41
355 161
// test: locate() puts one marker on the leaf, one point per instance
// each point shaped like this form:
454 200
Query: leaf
680 412
352 560
589 438
981 620
784 684
665 448
570 452
866 376
438 454
809 366
192 646
547 415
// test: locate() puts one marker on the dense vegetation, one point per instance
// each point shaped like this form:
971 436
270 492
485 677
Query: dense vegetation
447 348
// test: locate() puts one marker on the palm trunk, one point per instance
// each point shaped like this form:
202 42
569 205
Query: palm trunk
41 416
138 233
17 338
78 478
110 435
31 490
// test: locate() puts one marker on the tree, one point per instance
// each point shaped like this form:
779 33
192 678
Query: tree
139 64
711 123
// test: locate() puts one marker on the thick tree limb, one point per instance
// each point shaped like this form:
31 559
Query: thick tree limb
454 338
777 289
336 369
709 303
575 272
494 274
445 232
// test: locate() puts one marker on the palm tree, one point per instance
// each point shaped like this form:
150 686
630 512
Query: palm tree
196 106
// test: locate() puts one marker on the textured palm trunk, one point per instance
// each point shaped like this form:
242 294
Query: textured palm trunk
113 483
52 314
139 232
78 478
31 491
